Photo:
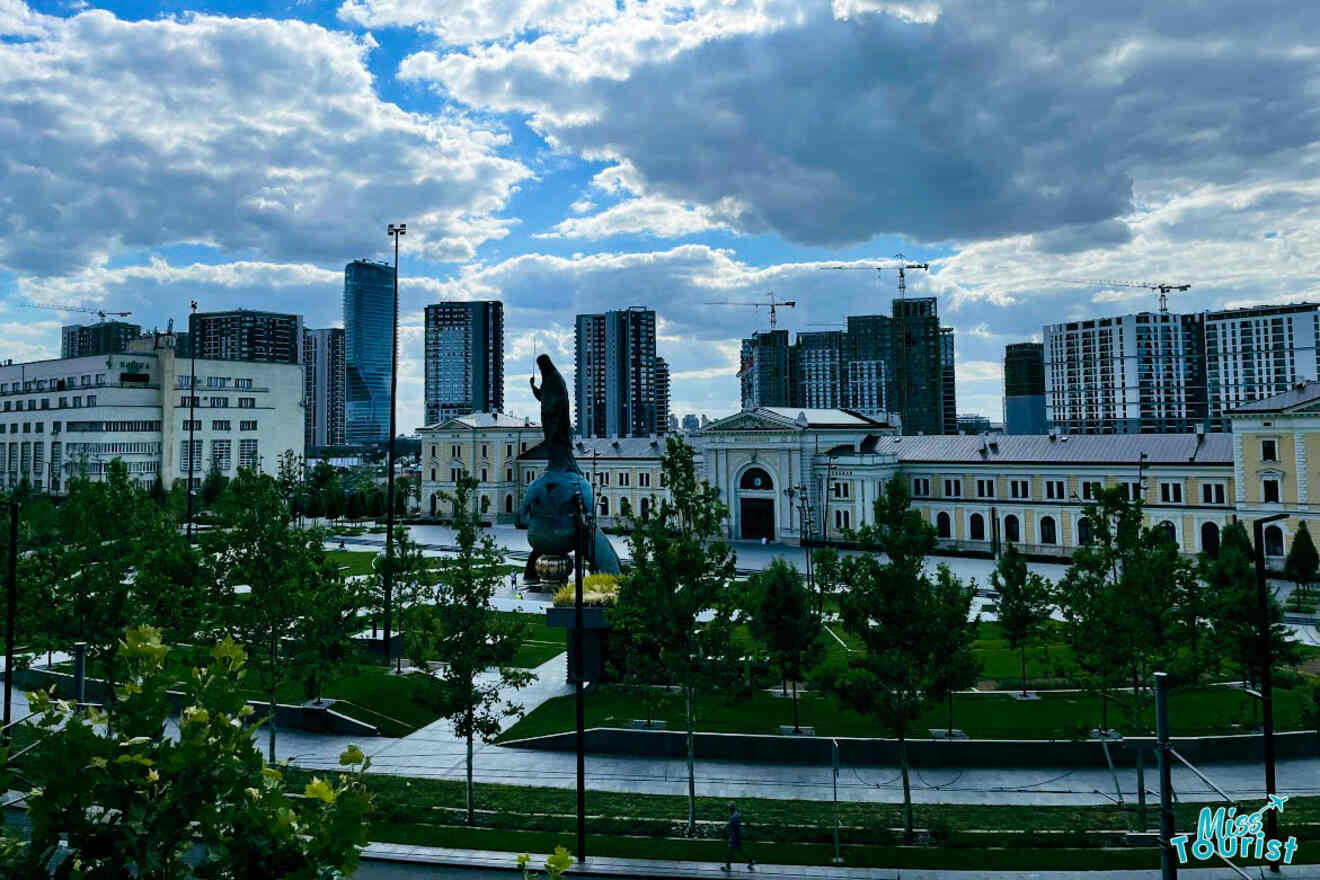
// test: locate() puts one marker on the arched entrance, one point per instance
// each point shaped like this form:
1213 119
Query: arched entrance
1048 531
1170 531
1210 539
1083 531
756 505
1273 541
977 527
942 525
1012 529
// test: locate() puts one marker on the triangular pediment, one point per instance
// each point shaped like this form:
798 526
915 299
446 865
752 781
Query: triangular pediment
750 421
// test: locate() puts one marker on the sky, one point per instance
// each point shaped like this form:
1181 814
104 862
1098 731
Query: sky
569 156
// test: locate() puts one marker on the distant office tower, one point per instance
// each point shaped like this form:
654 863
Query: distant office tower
323 356
816 365
107 337
764 370
1253 353
868 351
918 365
464 359
664 421
1024 389
368 335
241 335
1141 373
673 423
971 423
691 424
948 388
617 383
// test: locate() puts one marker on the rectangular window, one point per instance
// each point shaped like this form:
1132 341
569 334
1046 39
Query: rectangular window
1270 491
455 451
508 475
1019 488
77 403
221 454
644 479
529 477
454 474
41 427
27 427
245 384
985 488
483 475
484 453
1212 493
64 402
247 426
953 488
7 406
1171 493
1090 490
195 425
921 487
219 425
91 400
247 403
625 479
1131 491
247 454
842 519
508 450
196 455
219 402
100 378
45 403
1269 450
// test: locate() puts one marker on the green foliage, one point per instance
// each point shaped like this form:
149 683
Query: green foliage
213 486
912 629
783 620
598 590
139 800
555 865
452 622
1024 602
1302 566
826 572
681 567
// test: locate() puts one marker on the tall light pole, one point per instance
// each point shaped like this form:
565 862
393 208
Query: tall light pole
1266 677
11 608
395 232
192 402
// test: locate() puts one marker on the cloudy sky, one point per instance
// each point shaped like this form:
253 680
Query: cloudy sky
577 155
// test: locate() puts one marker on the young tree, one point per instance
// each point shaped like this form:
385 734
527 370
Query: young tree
410 574
1302 566
285 570
783 620
906 622
825 570
681 569
214 484
454 635
143 797
1024 603
323 635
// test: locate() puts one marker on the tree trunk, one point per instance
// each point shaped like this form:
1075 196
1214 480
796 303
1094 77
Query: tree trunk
907 789
1141 789
470 805
948 728
796 727
692 771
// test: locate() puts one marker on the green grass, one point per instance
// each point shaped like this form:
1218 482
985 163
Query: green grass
1196 711
358 562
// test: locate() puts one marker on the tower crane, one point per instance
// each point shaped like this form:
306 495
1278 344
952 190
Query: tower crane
787 304
59 308
900 264
1162 287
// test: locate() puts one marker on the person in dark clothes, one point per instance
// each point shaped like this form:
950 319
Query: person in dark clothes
735 837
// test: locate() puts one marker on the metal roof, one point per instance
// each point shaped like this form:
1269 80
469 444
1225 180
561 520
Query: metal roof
605 448
821 418
1300 396
1213 448
484 420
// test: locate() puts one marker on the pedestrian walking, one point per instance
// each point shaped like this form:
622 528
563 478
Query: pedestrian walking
735 837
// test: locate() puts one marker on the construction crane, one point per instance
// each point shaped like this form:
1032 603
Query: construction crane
1162 287
787 304
900 264
102 313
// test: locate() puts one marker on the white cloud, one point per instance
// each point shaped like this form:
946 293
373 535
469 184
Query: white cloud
642 216
460 22
248 135
582 206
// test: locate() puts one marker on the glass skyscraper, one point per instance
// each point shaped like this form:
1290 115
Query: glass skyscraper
368 332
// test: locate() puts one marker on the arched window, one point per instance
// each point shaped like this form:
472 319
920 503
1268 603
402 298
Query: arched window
1273 541
1083 531
1049 533
1012 529
756 478
508 504
1210 539
435 499
1170 531
604 506
942 524
646 509
978 527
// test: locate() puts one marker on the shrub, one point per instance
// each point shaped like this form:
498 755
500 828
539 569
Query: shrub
598 590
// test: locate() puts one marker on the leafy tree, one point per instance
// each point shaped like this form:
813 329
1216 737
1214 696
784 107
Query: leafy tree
454 624
285 569
171 591
959 666
782 619
323 636
142 799
355 507
213 486
1233 609
1024 603
826 572
1302 566
902 619
681 569
410 574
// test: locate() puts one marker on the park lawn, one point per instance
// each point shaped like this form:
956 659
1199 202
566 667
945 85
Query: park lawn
358 562
1194 711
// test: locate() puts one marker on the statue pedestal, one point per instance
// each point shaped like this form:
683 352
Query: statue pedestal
554 571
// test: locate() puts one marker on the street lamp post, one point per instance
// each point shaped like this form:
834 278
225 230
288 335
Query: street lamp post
192 402
581 522
1266 677
11 609
395 232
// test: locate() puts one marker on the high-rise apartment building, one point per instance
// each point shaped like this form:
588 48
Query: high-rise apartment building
816 365
764 372
868 347
368 335
107 337
1253 353
1024 389
919 366
617 391
323 355
664 421
1142 373
464 359
948 388
241 335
